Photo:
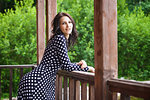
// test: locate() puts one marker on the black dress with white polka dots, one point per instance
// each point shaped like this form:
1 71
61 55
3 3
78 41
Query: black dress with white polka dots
39 84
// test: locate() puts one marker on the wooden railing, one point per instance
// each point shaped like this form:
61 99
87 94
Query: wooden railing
81 85
75 91
11 67
128 88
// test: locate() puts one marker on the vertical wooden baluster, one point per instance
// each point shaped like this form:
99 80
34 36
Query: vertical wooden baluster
83 91
60 88
10 85
65 88
77 91
91 92
71 89
57 87
0 85
21 73
124 97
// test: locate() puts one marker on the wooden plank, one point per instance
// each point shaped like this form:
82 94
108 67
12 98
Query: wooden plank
10 84
132 88
105 64
51 11
71 89
83 91
78 75
40 16
91 92
77 90
60 88
65 87
17 66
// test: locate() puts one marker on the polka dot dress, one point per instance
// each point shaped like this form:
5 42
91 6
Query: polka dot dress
39 84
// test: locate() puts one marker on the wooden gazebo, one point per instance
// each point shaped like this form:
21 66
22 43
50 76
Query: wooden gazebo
103 85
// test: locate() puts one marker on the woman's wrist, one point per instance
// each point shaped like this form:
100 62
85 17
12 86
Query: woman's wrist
91 69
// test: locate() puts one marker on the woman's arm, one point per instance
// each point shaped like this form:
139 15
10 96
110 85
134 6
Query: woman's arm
63 56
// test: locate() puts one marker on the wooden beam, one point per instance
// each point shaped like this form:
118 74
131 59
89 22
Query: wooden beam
51 11
78 75
130 88
105 45
40 16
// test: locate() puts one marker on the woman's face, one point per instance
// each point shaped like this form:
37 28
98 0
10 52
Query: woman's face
66 26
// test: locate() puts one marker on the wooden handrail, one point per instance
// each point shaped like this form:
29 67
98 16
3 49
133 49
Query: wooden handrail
78 75
17 66
11 67
130 88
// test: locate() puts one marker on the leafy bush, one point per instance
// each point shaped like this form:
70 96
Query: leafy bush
133 45
17 40
18 35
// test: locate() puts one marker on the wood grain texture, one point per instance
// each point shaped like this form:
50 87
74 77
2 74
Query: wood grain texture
40 16
130 88
51 11
105 45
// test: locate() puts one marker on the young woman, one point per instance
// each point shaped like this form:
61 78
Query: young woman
39 84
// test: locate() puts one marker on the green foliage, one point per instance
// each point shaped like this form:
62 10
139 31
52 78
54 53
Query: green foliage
145 4
18 35
17 41
82 12
133 44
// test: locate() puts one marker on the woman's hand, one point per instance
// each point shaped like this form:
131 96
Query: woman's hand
91 69
83 64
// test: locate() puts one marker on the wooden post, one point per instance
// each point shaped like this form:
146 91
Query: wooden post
40 16
51 11
105 44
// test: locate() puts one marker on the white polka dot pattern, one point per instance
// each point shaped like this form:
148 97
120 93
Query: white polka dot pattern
39 84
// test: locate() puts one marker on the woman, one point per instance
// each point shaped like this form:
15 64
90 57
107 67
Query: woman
39 84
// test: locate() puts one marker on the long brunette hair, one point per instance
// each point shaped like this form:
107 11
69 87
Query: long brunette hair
56 28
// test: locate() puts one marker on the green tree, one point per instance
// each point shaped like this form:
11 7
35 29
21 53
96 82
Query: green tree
145 4
17 40
133 43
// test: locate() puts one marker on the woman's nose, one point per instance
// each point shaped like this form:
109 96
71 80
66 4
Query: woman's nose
67 24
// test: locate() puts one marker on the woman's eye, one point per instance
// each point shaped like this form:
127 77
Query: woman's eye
70 22
63 23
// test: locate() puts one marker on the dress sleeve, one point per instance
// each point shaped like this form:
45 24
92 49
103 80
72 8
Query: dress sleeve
63 56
